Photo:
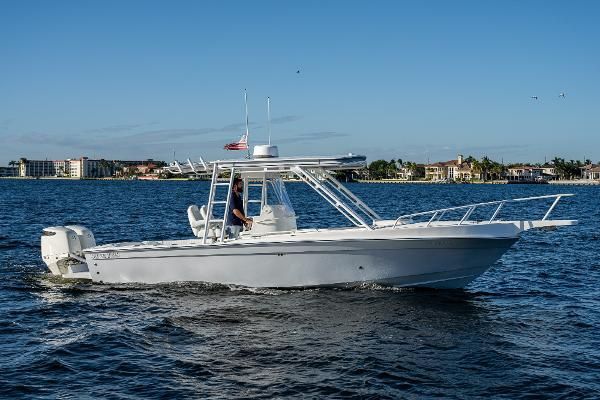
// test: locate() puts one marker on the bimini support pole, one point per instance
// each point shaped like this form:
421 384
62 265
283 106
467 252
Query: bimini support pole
331 197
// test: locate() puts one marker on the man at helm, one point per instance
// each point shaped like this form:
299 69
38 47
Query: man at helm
235 217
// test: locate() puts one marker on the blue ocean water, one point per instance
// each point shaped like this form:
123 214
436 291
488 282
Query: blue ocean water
528 328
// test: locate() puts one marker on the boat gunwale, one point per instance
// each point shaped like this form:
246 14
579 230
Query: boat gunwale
197 243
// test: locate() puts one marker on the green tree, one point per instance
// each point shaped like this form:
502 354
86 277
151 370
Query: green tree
392 168
486 166
476 166
497 170
379 169
106 167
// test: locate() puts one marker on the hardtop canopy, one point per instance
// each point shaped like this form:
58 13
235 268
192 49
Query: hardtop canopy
331 163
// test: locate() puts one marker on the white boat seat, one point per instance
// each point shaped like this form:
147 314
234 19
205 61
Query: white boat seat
197 218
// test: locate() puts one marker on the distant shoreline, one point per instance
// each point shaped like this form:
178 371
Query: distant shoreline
399 181
580 182
57 178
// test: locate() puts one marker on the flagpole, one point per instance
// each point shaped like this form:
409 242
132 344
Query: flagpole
269 117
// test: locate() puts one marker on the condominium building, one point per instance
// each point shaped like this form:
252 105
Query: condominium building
36 167
73 168
81 167
9 171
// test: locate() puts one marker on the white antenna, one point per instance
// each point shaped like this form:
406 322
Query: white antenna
269 117
246 104
247 131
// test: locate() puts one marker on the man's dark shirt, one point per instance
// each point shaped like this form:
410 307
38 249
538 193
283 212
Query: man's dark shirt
235 202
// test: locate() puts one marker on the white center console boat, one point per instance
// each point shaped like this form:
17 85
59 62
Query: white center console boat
445 248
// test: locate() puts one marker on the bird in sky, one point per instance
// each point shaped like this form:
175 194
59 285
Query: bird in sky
298 71
534 97
562 94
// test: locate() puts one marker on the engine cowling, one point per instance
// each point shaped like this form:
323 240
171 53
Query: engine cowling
62 248
86 237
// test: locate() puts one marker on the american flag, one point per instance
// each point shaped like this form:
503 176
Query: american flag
241 144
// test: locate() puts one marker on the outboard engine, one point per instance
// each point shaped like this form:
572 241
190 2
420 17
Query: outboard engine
62 250
86 237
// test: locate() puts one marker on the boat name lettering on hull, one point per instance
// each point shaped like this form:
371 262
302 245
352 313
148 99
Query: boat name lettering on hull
105 256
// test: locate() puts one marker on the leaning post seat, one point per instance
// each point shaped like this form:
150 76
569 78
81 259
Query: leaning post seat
197 219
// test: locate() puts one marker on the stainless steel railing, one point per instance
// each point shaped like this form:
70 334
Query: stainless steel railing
437 215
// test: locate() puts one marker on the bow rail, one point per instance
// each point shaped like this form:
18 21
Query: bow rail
437 215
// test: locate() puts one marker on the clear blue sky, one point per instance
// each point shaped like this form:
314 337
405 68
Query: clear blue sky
411 80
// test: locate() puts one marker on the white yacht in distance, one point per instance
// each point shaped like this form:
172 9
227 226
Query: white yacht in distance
444 248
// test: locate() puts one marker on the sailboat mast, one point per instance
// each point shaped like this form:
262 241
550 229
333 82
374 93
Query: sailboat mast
269 117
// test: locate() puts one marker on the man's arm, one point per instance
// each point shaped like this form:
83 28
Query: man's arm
241 216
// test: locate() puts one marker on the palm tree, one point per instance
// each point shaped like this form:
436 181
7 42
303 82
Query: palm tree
476 166
105 165
486 165
497 170
559 167
413 168
118 168
391 168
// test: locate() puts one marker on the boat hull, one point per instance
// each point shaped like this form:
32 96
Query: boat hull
435 262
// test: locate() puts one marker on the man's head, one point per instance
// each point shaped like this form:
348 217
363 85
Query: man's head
238 185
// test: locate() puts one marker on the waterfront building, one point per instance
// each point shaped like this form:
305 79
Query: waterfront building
525 173
74 168
465 172
591 171
82 167
146 168
411 174
549 172
438 171
139 168
9 171
454 170
86 168
36 168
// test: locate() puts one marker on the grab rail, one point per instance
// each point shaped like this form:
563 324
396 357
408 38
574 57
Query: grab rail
471 207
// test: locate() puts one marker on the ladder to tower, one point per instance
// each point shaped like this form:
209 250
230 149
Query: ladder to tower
214 185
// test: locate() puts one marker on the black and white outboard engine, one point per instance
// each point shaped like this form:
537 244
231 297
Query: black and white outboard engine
62 250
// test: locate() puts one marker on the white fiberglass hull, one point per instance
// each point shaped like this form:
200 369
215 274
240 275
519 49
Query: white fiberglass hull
429 262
